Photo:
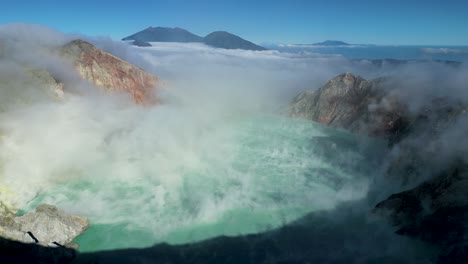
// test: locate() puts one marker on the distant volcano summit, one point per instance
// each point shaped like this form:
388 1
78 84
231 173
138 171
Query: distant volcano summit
164 34
331 43
217 39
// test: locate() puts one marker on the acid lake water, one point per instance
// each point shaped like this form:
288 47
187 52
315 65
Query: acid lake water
245 175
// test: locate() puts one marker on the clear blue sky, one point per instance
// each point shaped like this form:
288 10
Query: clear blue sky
286 21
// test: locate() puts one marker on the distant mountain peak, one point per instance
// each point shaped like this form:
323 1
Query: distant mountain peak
164 34
331 43
217 39
226 40
221 32
110 72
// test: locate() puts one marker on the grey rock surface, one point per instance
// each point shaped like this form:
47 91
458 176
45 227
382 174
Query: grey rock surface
421 159
48 224
353 103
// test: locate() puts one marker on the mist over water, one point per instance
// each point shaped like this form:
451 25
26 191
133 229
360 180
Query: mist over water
219 156
241 175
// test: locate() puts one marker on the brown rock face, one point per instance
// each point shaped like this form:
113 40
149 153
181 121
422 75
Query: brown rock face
110 72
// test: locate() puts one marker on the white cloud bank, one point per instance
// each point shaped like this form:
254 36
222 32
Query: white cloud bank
444 51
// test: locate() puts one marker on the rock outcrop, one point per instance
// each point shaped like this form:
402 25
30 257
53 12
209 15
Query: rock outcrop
45 235
110 72
353 103
436 210
47 226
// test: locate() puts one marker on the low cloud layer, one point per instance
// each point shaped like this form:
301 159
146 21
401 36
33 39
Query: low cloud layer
444 51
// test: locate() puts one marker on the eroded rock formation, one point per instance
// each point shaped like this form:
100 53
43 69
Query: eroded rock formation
47 226
353 103
110 72
436 209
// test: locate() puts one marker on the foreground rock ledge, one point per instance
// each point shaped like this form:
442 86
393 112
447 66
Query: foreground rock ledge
47 226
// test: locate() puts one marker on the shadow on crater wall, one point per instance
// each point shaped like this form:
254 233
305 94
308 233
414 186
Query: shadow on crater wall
344 235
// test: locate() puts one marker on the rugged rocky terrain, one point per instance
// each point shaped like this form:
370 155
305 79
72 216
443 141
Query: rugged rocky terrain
350 102
110 72
49 227
435 209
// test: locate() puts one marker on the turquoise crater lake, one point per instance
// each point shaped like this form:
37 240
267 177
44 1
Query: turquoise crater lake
240 176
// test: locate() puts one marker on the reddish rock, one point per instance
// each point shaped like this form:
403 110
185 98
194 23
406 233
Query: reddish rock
110 72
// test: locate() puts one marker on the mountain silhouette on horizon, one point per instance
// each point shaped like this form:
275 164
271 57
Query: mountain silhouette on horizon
226 40
331 43
164 34
217 39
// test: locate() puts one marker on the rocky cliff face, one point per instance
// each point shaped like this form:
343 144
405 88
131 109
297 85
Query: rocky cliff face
436 210
352 103
110 72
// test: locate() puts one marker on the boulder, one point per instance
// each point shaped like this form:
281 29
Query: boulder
47 226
